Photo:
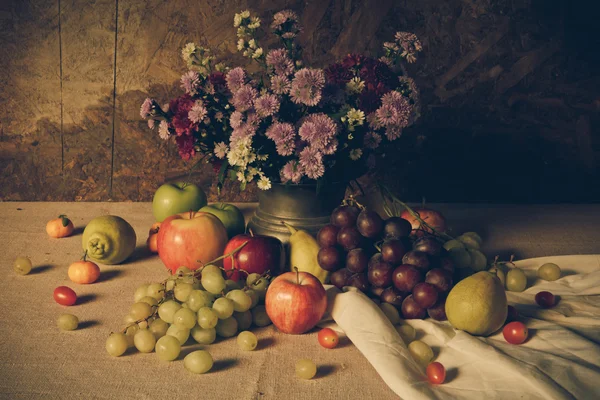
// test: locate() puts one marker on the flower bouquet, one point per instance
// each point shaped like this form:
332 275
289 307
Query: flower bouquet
288 122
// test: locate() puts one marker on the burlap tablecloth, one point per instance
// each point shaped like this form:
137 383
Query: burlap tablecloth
39 361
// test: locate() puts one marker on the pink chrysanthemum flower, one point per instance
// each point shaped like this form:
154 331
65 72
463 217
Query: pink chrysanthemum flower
387 115
331 147
288 18
242 132
393 132
198 112
243 98
190 82
163 130
400 105
318 130
284 136
146 108
372 140
280 84
236 119
280 62
291 171
307 86
311 161
266 105
151 123
235 79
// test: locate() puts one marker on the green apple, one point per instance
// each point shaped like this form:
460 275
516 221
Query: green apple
230 216
177 197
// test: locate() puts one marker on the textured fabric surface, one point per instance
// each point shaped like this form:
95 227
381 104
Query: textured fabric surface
39 361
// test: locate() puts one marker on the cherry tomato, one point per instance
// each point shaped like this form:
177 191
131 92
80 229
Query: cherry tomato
84 272
436 373
515 332
65 296
512 315
328 338
545 299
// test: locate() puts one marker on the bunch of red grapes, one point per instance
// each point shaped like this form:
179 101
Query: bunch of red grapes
382 259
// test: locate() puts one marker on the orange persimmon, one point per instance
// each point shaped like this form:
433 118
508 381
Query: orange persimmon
60 227
84 271
152 243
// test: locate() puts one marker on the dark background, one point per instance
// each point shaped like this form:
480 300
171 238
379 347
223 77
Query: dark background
510 90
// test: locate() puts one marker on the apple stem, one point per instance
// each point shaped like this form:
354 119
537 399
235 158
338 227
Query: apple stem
191 214
297 275
250 232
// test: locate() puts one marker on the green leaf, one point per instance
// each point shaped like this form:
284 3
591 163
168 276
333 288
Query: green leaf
65 221
223 171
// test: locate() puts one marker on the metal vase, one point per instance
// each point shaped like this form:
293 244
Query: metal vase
298 205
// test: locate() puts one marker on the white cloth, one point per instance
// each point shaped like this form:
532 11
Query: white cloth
560 360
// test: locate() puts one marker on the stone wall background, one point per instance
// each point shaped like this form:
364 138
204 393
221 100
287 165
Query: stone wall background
511 94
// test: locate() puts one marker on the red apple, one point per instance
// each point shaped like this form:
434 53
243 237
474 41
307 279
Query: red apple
295 302
261 254
433 218
190 239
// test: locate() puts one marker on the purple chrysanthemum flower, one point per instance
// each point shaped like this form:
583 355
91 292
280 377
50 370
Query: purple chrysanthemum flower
280 62
280 84
236 119
307 86
235 79
284 136
244 97
393 132
243 131
146 108
401 106
291 171
372 140
311 161
387 115
285 23
373 121
198 112
318 130
266 105
190 82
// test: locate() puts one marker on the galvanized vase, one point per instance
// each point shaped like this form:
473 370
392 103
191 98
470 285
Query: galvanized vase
298 205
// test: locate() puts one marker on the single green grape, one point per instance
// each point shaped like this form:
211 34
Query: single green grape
461 257
478 260
182 291
150 300
306 369
167 310
129 319
156 290
140 310
260 317
198 362
407 332
549 272
170 284
22 265
469 242
203 336
223 307
167 348
181 271
140 292
244 319
159 328
198 299
474 236
230 285
67 322
207 318
247 341
144 341
253 294
212 269
213 283
227 327
391 313
516 281
116 344
241 301
146 323
185 318
421 352
451 244
182 334
257 282
130 334
499 272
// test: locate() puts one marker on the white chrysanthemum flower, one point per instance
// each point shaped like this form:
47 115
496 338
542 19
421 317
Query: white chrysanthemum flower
355 85
252 44
255 23
355 117
264 183
355 154
163 130
262 157
237 20
241 44
221 150
241 176
245 14
187 51
258 53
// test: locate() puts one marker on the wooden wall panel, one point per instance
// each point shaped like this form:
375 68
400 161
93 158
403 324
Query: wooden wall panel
88 52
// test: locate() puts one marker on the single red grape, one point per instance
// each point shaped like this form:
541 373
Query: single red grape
330 258
65 296
411 310
392 251
425 294
349 238
545 299
396 227
405 277
357 260
436 373
369 224
327 236
419 259
344 216
340 278
515 332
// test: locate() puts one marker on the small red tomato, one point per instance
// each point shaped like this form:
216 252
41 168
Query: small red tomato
328 338
65 296
512 314
515 332
436 373
545 299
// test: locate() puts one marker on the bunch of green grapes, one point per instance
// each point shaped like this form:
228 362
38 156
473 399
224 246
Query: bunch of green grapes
465 252
201 305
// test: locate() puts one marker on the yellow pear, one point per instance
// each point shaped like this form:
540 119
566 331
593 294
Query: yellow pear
477 304
303 253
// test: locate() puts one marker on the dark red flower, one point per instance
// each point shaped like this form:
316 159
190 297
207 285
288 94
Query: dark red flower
180 107
369 101
337 74
352 60
218 80
185 144
374 72
216 164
